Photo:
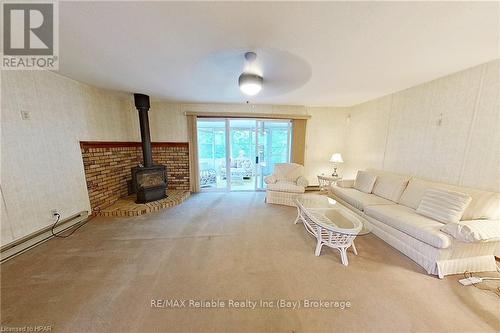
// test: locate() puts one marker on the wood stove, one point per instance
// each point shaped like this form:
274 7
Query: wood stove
149 181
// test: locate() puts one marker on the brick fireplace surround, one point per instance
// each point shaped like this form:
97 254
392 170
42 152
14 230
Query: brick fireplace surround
107 168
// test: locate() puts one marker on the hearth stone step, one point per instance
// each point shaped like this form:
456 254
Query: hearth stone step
127 206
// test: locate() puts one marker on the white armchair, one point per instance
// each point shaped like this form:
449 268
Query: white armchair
286 183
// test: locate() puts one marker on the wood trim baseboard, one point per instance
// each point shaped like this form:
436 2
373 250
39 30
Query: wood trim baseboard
246 115
122 144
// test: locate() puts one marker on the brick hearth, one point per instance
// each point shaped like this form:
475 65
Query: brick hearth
107 168
127 207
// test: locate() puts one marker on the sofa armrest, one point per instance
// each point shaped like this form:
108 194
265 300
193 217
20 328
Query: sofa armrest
346 183
474 230
302 181
271 179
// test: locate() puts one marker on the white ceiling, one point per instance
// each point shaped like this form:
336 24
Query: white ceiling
321 53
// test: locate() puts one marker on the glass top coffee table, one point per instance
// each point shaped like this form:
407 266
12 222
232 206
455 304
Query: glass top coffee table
331 223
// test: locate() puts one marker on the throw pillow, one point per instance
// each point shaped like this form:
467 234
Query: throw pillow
364 181
390 187
443 205
474 230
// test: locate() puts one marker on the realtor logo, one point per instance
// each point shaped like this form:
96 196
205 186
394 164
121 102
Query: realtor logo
29 35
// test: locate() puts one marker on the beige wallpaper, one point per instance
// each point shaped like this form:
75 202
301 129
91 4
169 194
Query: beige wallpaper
168 122
446 130
41 163
325 135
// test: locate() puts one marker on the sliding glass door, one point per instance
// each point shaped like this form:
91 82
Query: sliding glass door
274 141
236 154
242 147
212 153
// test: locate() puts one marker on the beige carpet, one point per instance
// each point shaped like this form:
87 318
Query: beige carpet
228 246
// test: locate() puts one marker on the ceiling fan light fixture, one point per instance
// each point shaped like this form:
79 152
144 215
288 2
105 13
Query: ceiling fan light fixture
250 84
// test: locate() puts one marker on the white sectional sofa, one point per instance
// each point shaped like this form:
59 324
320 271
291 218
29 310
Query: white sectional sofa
391 206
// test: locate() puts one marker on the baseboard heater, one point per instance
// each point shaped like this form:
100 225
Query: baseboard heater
312 188
36 238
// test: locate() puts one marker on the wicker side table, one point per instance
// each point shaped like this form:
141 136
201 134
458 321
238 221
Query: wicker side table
325 181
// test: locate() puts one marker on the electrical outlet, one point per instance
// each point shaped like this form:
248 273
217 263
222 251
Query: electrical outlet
54 213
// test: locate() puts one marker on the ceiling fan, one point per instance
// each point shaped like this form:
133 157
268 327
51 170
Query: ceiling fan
249 82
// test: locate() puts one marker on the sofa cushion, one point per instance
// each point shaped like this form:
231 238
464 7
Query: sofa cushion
345 183
364 181
357 198
406 220
413 193
288 171
443 205
285 186
474 231
390 186
271 179
484 204
302 181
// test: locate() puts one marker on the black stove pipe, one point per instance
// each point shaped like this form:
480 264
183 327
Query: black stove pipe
142 105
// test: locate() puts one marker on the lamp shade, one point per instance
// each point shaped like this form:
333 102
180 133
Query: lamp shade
336 158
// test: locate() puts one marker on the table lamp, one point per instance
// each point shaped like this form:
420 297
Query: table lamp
335 159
